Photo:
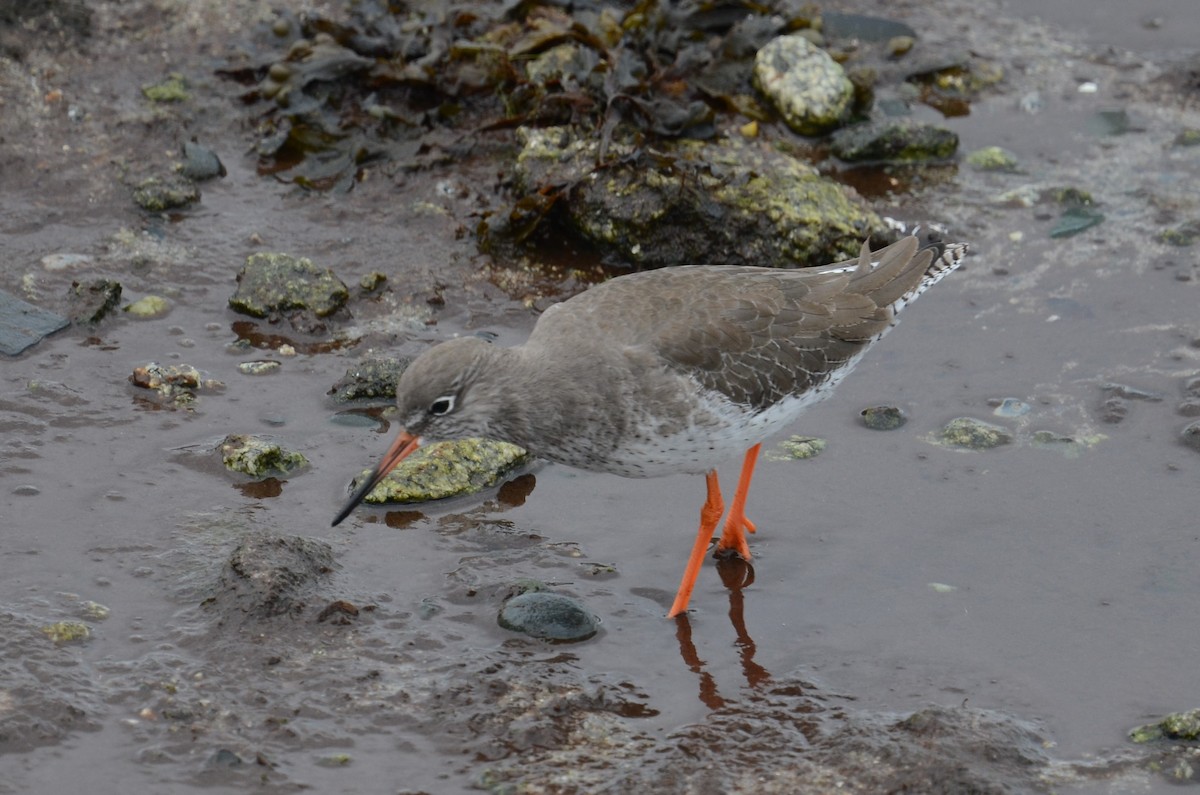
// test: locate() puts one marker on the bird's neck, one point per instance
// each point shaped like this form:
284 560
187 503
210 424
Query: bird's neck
546 402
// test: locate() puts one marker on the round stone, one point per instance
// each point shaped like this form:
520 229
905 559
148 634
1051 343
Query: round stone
548 615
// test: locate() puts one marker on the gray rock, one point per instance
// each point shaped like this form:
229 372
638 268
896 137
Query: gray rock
549 616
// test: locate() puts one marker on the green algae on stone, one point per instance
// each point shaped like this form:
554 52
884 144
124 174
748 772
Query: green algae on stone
158 195
259 367
1185 234
272 282
801 447
447 469
974 434
896 140
883 418
992 158
1176 726
148 307
67 631
809 88
173 89
724 202
94 610
1188 137
258 457
372 281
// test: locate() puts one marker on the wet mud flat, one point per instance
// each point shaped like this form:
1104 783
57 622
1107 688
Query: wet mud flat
922 616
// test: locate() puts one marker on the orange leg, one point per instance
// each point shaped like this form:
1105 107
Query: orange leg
733 538
710 514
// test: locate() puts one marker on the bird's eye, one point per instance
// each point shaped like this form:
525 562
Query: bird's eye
443 405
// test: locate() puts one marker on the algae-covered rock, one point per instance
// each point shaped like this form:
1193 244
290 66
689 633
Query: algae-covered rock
149 307
809 88
1176 726
726 202
974 434
903 140
67 631
373 378
801 447
1184 234
258 457
272 282
447 469
884 418
172 89
992 158
157 195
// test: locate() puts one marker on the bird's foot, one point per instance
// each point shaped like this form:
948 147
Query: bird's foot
733 538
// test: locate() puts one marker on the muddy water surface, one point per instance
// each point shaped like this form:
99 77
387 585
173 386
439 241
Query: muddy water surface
1030 604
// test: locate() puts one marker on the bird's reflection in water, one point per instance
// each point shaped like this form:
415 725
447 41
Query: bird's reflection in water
737 575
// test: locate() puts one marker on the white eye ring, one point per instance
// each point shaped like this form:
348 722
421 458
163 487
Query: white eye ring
443 405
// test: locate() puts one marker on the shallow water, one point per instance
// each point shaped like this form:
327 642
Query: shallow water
1072 584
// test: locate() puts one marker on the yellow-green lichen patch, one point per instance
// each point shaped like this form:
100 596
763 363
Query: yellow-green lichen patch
447 469
258 457
67 631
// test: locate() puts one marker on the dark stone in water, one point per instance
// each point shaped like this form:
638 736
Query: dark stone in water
549 616
22 324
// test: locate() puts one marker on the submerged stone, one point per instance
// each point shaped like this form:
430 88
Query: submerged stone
258 457
22 324
902 140
1176 726
548 616
268 575
992 158
373 378
447 469
1011 407
974 434
809 88
1075 220
92 301
67 631
883 418
157 195
273 282
200 162
1190 435
1185 234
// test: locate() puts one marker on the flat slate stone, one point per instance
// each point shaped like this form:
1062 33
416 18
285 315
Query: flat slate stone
22 324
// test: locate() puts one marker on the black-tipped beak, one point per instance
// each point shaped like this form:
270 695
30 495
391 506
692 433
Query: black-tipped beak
401 448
